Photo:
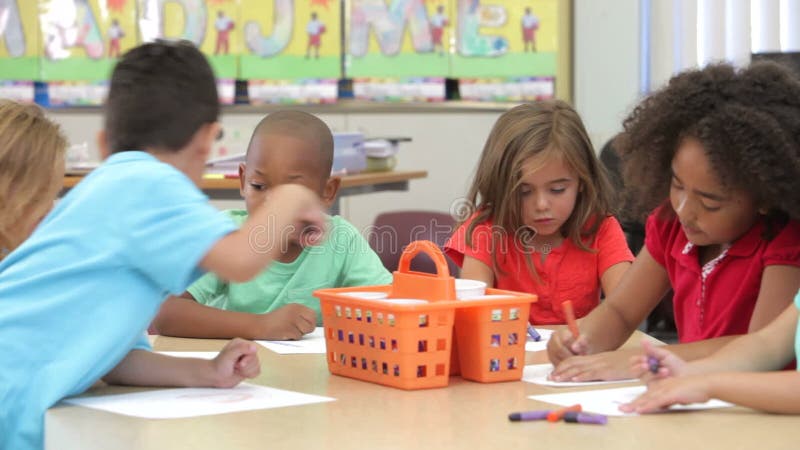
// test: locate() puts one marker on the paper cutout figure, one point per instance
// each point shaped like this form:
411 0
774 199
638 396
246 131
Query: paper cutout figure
115 33
530 24
438 22
223 25
315 28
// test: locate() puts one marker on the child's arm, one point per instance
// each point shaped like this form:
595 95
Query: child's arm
288 210
236 361
184 317
775 392
615 365
779 284
612 276
475 269
728 373
609 325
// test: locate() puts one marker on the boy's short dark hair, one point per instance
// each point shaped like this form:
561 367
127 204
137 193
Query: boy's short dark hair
302 125
161 93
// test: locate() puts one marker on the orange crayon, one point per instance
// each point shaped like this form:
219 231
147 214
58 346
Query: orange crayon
569 314
558 414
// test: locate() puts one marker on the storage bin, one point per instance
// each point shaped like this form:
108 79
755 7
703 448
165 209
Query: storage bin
349 155
408 345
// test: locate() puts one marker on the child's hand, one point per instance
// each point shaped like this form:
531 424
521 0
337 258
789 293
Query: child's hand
664 393
236 361
562 345
602 366
656 363
305 212
289 322
312 228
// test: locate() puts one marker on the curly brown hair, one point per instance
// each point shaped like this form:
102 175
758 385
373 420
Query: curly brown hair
748 122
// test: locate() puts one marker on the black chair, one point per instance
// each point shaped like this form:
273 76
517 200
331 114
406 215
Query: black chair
392 231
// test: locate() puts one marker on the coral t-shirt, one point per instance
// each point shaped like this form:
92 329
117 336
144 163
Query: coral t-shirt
567 273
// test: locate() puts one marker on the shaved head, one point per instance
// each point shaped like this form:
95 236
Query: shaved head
299 125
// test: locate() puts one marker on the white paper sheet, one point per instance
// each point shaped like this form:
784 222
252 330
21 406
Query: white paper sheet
607 401
538 374
191 402
201 355
313 342
535 346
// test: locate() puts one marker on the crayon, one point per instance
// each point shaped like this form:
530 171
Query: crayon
653 364
529 415
569 314
582 417
533 333
558 414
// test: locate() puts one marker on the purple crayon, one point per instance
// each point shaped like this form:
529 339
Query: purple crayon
653 364
582 417
528 415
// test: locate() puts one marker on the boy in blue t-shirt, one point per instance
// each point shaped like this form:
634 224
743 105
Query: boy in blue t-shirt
76 297
286 147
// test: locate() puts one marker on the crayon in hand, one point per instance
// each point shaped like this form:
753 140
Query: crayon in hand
653 364
569 314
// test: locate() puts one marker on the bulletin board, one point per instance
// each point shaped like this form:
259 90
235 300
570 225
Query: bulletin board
19 41
398 38
81 39
287 39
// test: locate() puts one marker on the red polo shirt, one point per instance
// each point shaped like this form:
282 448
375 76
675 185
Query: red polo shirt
722 302
568 273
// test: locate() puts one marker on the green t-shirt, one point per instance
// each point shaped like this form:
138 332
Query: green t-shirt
344 259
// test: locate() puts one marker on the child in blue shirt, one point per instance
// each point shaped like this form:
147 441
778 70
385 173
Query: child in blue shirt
76 297
286 147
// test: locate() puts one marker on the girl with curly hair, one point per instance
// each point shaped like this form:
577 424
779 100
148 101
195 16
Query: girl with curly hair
715 157
543 222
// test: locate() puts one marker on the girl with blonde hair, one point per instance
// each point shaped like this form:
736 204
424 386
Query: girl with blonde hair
542 222
32 152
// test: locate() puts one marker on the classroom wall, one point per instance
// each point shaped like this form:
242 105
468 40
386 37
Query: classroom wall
448 144
606 64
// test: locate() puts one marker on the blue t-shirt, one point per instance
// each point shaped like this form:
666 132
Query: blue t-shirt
797 332
77 296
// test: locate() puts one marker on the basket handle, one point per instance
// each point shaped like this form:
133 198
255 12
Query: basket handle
415 248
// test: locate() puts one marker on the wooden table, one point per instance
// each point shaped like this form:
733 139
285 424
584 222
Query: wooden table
363 183
464 415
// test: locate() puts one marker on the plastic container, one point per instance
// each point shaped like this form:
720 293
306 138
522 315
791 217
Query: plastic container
409 344
349 155
469 288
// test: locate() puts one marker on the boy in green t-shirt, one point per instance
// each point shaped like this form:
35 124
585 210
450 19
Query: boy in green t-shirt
286 147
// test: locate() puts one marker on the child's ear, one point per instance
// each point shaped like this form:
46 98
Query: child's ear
330 190
102 145
242 181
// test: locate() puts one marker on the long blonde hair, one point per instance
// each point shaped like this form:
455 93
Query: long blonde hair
542 129
32 152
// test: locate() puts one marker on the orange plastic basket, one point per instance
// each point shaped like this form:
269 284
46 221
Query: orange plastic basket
409 346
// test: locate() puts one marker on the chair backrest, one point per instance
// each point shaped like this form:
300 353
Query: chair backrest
392 231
